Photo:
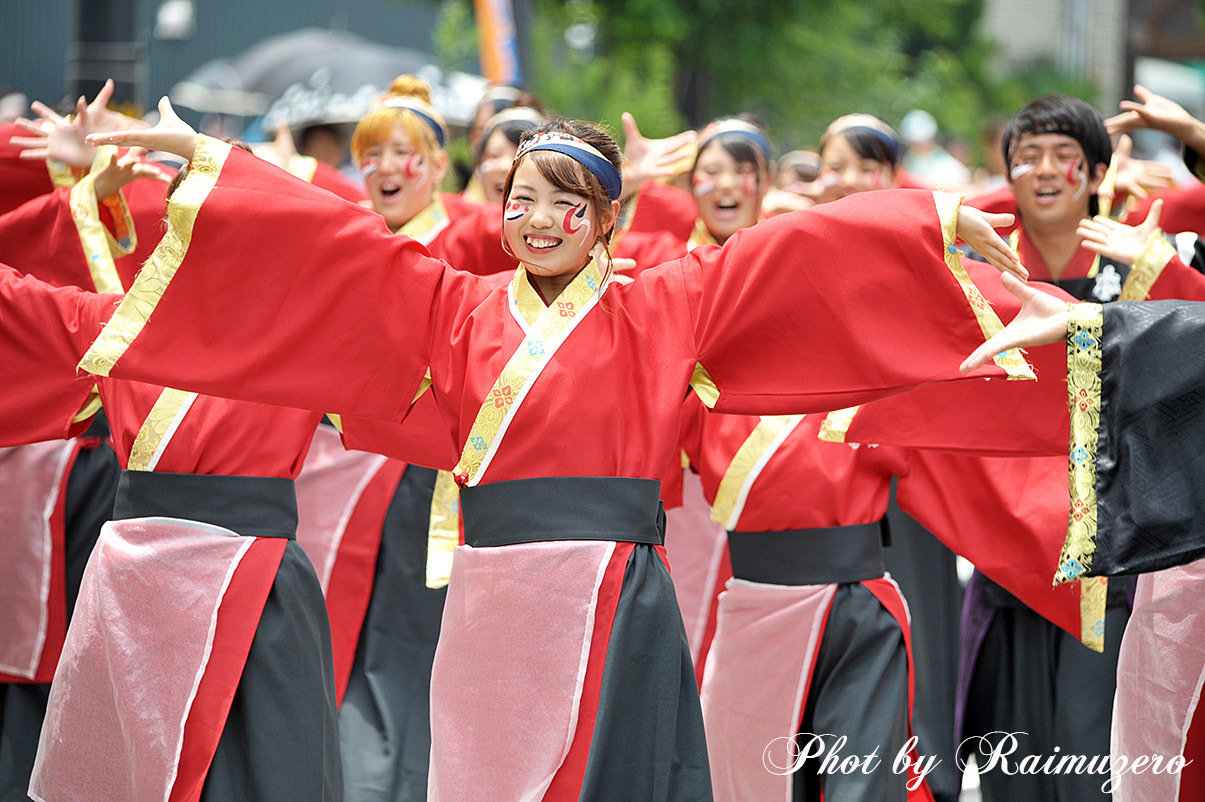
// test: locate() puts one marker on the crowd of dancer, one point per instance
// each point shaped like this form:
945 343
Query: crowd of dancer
320 488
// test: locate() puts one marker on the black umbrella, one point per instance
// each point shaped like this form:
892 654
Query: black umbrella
314 75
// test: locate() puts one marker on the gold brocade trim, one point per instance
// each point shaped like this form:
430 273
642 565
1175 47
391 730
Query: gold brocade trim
700 236
336 421
61 175
1010 361
1093 594
836 425
1147 268
98 244
747 464
131 316
443 534
427 224
704 386
1084 348
527 301
1104 192
534 351
90 406
423 386
685 459
158 428
303 167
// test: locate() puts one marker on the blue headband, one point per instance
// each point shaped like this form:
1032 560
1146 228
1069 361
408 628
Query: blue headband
739 128
421 110
583 153
872 125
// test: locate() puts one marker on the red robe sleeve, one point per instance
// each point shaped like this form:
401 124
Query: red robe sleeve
67 239
474 243
315 305
20 179
1159 274
1008 517
1012 418
421 439
1183 208
664 208
834 305
43 332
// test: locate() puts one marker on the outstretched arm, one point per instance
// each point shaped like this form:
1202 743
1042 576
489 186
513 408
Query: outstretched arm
265 288
848 301
1160 113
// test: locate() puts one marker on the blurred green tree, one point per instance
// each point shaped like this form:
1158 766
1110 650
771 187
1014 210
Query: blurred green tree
798 64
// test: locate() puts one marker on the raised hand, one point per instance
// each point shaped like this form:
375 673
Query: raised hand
644 158
1151 111
55 137
1117 240
122 170
978 230
102 118
170 134
279 150
1043 319
1134 177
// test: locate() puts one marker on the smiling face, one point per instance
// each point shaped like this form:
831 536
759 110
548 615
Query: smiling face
727 192
1050 178
550 230
400 178
843 171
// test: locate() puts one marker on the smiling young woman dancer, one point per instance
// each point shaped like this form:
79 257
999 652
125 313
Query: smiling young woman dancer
562 667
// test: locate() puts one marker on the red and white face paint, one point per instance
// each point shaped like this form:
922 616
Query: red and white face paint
575 220
727 193
1051 180
844 171
548 229
401 180
515 210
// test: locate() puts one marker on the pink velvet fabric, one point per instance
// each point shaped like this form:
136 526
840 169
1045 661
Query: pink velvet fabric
137 647
328 490
31 477
507 680
1159 677
755 684
695 547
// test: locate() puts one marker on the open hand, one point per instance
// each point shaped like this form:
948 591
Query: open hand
645 159
978 230
171 135
122 170
1117 240
1043 319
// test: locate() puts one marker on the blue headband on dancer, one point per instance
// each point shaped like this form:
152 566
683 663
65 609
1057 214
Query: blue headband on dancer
872 125
583 153
735 127
422 110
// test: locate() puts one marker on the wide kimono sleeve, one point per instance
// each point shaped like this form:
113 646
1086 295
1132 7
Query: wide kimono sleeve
1008 517
265 288
20 179
67 239
1164 271
1136 375
43 332
835 305
987 418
